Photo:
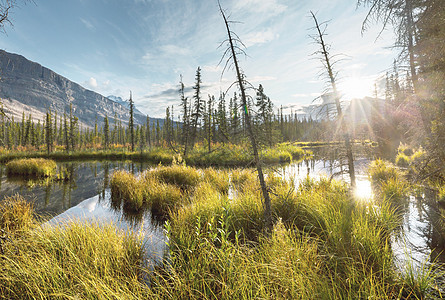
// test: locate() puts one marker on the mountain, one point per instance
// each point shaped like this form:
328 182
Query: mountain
124 103
29 87
360 111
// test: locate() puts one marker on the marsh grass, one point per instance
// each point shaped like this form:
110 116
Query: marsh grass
32 167
73 261
16 215
403 160
223 155
388 184
381 171
322 246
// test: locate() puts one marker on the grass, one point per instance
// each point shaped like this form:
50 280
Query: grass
16 215
388 183
223 155
33 167
403 160
322 246
69 261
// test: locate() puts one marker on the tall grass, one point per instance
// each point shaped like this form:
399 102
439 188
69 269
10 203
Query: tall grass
16 215
323 247
37 167
75 261
388 183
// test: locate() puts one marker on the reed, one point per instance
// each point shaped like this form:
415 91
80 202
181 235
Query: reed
36 167
16 215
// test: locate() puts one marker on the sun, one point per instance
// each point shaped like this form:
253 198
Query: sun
356 88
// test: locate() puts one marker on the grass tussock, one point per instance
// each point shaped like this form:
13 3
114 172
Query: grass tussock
71 261
16 215
323 246
388 183
35 167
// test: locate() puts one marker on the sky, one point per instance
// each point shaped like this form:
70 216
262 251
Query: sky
114 46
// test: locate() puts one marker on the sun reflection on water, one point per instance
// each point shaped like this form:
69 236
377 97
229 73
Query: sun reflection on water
363 189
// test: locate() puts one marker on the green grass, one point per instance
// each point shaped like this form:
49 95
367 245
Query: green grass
33 167
403 160
222 155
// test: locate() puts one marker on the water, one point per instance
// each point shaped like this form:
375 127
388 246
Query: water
87 197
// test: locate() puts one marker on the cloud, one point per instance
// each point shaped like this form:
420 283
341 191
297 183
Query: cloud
260 37
174 50
262 78
87 24
271 7
91 83
309 95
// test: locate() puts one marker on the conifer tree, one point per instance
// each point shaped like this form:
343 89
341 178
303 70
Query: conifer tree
48 132
106 133
198 108
131 123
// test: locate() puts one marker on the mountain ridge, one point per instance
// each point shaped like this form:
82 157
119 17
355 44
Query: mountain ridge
27 86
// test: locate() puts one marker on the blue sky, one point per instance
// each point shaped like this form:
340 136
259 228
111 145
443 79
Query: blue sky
114 46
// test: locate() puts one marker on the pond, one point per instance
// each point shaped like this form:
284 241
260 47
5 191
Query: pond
87 197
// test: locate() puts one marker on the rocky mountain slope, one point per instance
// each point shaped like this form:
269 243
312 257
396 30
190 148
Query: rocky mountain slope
28 86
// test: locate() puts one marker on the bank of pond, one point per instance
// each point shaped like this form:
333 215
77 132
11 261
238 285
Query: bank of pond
324 244
221 155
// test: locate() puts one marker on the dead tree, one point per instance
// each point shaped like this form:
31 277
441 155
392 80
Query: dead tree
230 54
326 60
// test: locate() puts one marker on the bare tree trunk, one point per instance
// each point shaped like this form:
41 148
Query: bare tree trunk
240 79
343 124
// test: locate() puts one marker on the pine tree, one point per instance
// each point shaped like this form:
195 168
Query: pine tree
48 132
148 135
131 123
198 107
66 133
106 133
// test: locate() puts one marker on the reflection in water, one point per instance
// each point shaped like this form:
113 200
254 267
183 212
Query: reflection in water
98 209
420 239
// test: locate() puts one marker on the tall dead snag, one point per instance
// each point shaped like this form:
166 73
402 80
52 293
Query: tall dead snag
231 52
326 60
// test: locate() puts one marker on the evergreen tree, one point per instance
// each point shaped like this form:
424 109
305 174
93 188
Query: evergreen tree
48 132
106 133
131 123
198 108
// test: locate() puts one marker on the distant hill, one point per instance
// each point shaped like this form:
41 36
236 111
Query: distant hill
26 86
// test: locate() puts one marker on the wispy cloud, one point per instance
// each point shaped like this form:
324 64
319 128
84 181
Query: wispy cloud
260 37
268 7
87 24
